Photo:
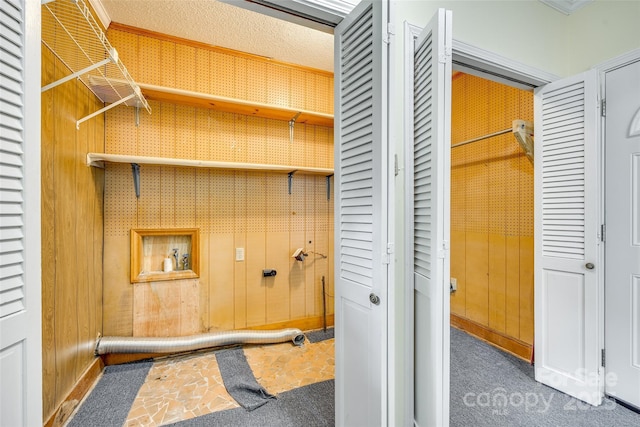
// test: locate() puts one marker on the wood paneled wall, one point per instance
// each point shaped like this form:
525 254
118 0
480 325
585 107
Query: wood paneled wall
232 209
72 234
491 210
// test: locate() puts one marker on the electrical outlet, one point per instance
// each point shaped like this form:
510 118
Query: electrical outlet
453 285
239 254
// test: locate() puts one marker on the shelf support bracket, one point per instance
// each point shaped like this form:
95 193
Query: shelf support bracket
102 110
76 74
329 186
137 116
290 180
292 124
135 169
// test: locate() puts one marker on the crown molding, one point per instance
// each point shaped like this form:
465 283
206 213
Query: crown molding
566 6
101 12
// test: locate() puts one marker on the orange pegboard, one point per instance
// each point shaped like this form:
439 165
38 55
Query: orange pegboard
203 133
256 134
149 65
278 85
278 143
167 146
256 81
185 67
167 64
203 200
185 132
491 187
222 74
297 93
120 203
278 214
185 197
202 72
257 202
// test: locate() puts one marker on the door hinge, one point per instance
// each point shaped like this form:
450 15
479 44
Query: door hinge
391 29
603 231
390 32
603 107
386 258
602 358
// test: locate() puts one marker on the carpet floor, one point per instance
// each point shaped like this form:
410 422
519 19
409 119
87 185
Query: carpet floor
492 388
488 388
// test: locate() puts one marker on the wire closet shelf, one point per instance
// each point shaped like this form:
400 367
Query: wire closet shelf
71 33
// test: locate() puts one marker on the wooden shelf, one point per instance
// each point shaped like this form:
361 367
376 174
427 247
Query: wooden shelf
233 105
98 159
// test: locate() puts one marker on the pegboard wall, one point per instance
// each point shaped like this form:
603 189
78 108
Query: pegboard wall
248 209
492 179
491 210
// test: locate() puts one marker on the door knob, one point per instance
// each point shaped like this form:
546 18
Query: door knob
590 266
375 299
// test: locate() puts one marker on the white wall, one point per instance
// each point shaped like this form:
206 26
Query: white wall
526 31
601 31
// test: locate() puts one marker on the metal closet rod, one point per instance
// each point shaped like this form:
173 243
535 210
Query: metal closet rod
480 138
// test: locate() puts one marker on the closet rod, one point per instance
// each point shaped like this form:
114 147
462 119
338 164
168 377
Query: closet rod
480 138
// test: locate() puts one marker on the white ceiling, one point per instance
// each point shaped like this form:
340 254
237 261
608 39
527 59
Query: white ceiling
225 25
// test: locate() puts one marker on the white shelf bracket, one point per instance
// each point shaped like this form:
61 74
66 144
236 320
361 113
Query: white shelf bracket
102 110
76 74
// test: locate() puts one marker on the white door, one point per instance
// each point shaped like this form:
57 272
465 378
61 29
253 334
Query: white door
622 246
361 177
567 304
20 317
429 206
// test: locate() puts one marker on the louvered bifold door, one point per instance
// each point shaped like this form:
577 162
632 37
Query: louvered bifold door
567 304
429 175
20 284
361 216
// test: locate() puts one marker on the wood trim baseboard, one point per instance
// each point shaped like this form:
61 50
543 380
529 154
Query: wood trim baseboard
75 396
305 324
165 37
509 344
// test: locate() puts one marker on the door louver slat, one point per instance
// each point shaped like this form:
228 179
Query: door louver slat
11 165
356 154
422 176
563 174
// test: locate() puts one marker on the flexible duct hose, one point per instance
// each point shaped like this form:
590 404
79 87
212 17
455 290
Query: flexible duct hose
107 345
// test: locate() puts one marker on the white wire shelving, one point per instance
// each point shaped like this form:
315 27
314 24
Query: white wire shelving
71 33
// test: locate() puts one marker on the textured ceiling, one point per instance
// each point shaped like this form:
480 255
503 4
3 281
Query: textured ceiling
221 24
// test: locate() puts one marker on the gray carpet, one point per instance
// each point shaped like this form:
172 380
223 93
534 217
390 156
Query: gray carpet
309 406
109 402
492 388
320 335
239 380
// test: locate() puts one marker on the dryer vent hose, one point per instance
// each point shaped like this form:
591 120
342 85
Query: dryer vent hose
108 345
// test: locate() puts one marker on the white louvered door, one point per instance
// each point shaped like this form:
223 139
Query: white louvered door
20 317
567 301
429 173
361 216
